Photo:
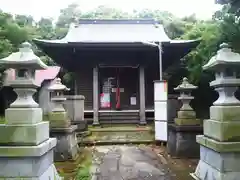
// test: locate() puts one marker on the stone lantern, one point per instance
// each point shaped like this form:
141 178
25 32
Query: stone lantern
57 89
182 134
220 144
24 139
61 128
185 90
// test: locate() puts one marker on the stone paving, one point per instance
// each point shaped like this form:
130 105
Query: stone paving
127 163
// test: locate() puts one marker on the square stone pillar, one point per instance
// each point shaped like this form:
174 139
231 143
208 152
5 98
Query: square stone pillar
95 97
26 151
220 144
142 95
74 106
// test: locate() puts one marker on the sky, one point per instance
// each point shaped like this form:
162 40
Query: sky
51 8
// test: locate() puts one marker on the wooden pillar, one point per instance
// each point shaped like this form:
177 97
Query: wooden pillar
142 95
95 96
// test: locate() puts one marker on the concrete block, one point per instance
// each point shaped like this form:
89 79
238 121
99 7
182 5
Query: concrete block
49 174
186 145
23 115
222 131
186 115
60 124
67 146
206 172
187 122
58 116
223 162
28 151
25 167
225 113
217 145
27 134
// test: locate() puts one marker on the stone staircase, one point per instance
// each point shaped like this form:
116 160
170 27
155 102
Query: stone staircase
119 117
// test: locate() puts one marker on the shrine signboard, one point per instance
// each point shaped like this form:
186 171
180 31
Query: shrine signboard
160 110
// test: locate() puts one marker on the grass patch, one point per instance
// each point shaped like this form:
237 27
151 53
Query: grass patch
2 120
84 168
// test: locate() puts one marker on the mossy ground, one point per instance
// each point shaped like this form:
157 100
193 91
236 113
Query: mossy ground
78 169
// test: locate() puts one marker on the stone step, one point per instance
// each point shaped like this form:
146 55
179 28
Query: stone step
119 121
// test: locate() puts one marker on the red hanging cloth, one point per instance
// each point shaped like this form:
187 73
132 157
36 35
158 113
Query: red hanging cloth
118 104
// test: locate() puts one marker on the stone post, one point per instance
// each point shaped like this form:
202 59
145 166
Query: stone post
74 106
26 151
182 133
220 144
61 128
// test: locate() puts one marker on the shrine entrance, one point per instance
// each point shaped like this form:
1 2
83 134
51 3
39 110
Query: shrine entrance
119 89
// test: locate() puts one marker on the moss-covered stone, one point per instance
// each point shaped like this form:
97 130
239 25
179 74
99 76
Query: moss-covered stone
57 116
186 114
222 131
217 145
225 113
28 151
187 122
24 134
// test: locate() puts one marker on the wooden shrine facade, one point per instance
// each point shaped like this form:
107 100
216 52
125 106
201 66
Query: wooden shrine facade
114 68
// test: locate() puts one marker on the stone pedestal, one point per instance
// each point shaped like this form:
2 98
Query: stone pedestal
74 106
220 144
61 128
182 141
67 147
182 133
26 151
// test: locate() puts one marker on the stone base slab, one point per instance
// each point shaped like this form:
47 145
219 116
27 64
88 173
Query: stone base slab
189 122
186 114
50 174
67 130
183 143
223 162
225 113
67 146
25 167
217 145
222 131
23 115
60 124
27 151
58 116
206 172
26 134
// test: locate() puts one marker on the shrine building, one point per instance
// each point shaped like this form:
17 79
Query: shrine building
115 66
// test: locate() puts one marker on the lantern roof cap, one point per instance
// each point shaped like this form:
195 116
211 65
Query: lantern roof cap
185 85
24 58
224 57
58 86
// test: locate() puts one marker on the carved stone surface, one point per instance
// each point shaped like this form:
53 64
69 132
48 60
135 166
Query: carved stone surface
220 144
182 134
25 146
61 128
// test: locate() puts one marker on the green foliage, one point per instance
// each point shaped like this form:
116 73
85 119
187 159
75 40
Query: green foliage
223 27
210 35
